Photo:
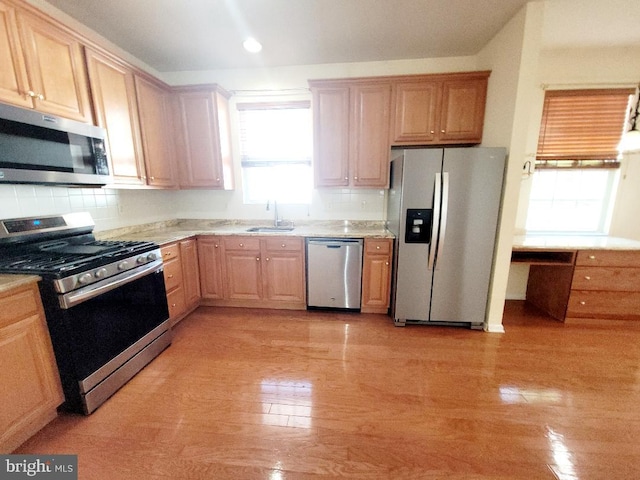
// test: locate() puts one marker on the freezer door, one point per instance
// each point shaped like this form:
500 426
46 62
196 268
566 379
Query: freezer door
414 188
465 254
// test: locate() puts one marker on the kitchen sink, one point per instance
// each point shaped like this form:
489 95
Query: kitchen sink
270 229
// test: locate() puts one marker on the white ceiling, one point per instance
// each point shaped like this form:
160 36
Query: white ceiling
172 35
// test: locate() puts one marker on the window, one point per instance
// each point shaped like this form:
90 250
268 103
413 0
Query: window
275 152
576 172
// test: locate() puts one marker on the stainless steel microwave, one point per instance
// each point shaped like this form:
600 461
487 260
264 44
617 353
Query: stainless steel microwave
45 149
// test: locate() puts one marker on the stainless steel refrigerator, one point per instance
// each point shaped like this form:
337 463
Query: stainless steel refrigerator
443 209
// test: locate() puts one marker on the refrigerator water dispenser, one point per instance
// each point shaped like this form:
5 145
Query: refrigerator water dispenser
418 225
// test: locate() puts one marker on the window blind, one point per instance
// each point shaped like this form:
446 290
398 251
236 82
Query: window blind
274 134
581 128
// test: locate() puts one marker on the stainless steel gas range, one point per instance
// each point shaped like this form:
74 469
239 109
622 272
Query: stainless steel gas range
104 301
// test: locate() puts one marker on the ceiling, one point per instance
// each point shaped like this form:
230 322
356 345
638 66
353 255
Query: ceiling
172 35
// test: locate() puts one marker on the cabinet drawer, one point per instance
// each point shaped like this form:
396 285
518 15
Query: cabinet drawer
377 246
172 275
283 244
18 305
611 305
170 251
241 243
176 302
608 258
606 279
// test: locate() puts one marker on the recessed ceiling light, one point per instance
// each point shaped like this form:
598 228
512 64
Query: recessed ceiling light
252 45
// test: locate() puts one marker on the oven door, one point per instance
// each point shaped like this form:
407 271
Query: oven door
104 334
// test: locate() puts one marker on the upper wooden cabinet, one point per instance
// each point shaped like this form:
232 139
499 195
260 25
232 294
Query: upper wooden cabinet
42 66
350 125
204 139
114 99
439 109
157 131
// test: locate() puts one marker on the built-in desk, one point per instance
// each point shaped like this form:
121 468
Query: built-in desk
582 277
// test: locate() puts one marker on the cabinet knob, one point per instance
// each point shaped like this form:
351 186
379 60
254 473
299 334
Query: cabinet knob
346 178
284 245
170 276
355 178
583 303
153 178
217 179
173 304
215 245
31 94
587 277
433 132
377 247
258 259
441 131
386 263
592 257
242 244
267 259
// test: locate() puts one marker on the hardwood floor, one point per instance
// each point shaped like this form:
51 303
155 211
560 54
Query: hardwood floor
254 394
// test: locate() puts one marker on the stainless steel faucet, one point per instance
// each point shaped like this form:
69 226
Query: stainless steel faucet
276 220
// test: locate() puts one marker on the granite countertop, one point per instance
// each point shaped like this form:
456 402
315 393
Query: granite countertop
163 233
573 242
10 281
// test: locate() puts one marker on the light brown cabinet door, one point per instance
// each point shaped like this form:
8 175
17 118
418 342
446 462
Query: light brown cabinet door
211 259
190 271
415 117
284 271
368 130
376 276
204 139
114 101
154 107
462 113
55 69
30 389
331 136
13 73
243 274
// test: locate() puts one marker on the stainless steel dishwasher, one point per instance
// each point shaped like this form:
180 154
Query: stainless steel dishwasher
334 272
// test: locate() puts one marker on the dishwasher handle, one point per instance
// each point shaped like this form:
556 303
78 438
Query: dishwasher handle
334 243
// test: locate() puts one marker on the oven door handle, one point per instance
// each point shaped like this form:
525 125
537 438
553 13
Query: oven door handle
72 299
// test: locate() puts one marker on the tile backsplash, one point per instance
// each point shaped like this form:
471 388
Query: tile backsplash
116 208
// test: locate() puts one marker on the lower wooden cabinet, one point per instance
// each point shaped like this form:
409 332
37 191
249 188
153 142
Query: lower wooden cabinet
30 389
181 278
606 285
253 271
376 275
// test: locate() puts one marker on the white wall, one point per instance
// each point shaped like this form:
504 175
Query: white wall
513 57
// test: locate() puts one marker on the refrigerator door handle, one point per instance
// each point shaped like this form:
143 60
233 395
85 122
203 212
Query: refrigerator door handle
443 213
435 229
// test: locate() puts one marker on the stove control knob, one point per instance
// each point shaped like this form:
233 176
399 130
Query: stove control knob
85 278
100 273
123 265
141 259
152 256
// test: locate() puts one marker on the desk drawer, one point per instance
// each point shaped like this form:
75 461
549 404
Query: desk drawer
609 305
608 258
606 279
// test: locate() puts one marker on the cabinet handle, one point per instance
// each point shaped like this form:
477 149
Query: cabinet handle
587 277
